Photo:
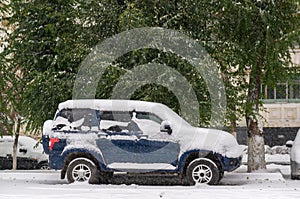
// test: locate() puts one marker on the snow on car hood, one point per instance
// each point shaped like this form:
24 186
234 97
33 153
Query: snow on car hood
218 141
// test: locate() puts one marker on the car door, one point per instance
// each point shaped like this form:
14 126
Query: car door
159 154
118 145
156 150
118 151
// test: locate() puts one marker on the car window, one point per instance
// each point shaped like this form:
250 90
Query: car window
120 116
148 116
118 122
91 117
84 119
122 121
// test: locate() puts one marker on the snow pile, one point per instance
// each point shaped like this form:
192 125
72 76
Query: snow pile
276 154
281 150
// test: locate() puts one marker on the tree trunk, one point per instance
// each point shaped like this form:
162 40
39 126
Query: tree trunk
256 145
256 149
233 127
15 147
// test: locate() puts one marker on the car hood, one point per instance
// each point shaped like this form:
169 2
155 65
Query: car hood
295 155
193 138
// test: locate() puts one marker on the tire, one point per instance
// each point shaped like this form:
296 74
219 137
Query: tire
221 175
43 166
203 171
295 177
82 170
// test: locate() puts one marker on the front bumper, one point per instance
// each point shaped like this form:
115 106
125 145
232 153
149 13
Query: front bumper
295 170
230 164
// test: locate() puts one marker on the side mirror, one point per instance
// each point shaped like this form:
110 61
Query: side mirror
166 127
289 144
23 150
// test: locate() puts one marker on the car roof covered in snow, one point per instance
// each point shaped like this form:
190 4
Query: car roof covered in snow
164 112
113 105
24 140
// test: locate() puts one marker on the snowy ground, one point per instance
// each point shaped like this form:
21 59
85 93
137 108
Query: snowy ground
274 183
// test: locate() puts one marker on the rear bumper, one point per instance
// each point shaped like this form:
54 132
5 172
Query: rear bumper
55 161
45 142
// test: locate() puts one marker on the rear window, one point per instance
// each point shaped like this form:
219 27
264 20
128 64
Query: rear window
91 116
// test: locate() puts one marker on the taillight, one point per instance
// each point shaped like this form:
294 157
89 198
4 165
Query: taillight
52 141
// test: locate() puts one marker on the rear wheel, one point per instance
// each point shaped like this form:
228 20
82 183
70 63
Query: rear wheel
203 171
82 170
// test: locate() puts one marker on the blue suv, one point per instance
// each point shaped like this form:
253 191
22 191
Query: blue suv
90 140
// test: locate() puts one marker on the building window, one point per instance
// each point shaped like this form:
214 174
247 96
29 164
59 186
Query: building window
283 92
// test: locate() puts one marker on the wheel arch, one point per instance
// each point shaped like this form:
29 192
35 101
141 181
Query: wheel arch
193 155
82 153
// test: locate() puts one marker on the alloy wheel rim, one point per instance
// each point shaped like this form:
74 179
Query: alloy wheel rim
44 167
81 173
202 174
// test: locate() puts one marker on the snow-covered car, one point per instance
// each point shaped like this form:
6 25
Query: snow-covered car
295 156
90 140
29 155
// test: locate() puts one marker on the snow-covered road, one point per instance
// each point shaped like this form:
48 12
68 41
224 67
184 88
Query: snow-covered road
273 183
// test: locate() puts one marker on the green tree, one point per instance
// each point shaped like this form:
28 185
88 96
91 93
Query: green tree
49 42
41 56
250 40
262 34
197 20
11 85
51 39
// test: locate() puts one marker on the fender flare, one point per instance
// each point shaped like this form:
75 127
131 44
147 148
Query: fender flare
192 155
94 156
206 159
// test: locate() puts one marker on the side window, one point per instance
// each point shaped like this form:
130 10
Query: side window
148 116
118 116
149 123
91 117
115 121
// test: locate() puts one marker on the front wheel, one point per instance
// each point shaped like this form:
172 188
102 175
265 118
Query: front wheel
82 170
203 171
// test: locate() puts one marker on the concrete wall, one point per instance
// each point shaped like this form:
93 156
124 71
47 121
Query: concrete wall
282 115
274 136
279 115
